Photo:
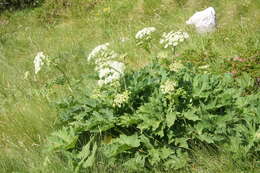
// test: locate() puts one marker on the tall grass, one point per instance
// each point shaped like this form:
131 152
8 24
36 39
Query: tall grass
69 30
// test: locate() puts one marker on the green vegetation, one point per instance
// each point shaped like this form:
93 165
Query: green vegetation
38 111
18 4
154 116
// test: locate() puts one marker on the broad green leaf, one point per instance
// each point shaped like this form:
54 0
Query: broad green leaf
181 142
113 149
206 137
137 163
149 123
200 126
176 162
190 115
127 120
63 139
165 152
154 156
85 151
131 141
170 118
160 132
87 155
90 102
145 140
121 144
90 160
245 81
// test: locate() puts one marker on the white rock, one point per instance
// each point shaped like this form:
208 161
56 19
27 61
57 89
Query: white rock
204 21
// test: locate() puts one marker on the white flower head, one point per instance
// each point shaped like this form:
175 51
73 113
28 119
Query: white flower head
104 57
121 99
145 33
168 87
39 61
110 71
172 39
177 66
97 51
101 54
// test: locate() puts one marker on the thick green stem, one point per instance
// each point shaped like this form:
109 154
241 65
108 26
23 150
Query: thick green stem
64 74
174 51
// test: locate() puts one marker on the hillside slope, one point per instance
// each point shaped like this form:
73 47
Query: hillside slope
69 29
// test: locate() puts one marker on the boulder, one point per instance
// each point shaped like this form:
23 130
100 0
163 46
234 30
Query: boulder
204 21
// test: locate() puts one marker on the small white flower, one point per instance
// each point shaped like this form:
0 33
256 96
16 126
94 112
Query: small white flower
145 33
168 87
39 61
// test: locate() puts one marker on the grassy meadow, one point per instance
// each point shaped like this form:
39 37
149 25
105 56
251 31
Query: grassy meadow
69 29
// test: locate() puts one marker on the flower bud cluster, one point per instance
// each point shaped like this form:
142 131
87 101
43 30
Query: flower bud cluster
168 87
120 99
177 66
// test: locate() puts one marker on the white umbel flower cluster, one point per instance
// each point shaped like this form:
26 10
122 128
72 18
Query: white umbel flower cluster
176 66
108 69
97 51
101 54
172 39
39 61
121 99
110 72
168 87
145 33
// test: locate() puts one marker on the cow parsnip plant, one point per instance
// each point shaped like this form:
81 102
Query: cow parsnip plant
154 116
158 116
